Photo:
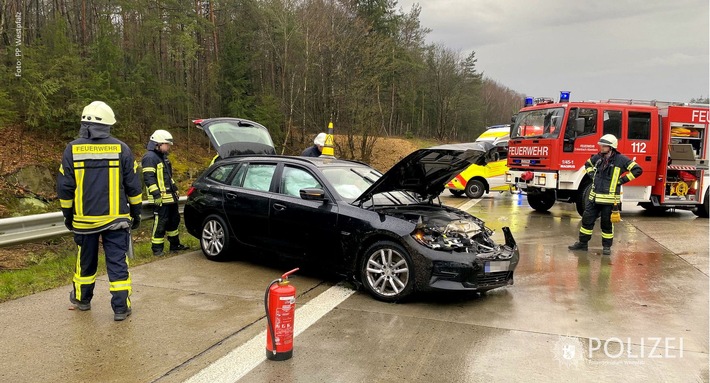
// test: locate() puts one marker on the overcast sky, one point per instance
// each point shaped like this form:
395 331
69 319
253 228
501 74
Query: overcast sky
599 49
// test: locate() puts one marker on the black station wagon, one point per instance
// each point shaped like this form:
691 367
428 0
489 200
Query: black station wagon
387 232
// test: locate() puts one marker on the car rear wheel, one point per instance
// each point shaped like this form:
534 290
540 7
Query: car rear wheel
214 239
541 202
387 271
456 192
475 189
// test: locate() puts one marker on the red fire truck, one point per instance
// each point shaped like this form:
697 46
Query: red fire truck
551 141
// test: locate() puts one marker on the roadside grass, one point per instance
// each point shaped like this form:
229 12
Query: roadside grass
53 265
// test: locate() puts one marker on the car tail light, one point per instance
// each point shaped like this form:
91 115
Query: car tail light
190 190
197 122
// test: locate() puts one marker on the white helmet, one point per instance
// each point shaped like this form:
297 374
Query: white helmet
608 140
161 136
320 139
98 112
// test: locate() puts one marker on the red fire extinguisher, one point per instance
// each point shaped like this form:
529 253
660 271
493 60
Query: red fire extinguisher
280 306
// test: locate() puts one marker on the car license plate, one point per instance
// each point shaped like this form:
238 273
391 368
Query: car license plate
495 266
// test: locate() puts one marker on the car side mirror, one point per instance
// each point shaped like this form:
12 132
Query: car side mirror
313 194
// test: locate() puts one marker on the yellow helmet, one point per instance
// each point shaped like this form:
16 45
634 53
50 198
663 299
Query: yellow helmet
98 112
608 140
162 137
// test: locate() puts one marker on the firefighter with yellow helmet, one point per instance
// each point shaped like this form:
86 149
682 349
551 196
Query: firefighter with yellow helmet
608 169
100 196
162 192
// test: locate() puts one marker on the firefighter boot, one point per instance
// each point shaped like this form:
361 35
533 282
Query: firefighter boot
119 316
82 306
175 244
158 250
179 247
578 246
606 250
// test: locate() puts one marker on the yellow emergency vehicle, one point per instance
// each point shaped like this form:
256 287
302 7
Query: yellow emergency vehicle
477 180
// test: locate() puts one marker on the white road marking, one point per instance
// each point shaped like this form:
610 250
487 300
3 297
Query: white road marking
469 204
246 357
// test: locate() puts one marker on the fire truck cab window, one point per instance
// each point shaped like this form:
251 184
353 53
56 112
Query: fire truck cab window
612 122
639 126
541 123
589 116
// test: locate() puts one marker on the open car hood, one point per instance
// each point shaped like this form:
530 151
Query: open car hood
426 171
237 136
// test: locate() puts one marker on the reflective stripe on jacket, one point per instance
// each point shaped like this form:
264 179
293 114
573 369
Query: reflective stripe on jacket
97 181
158 177
609 174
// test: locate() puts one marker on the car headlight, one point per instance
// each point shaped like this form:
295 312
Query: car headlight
438 241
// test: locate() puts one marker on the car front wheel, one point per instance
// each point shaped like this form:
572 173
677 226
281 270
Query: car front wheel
387 271
214 239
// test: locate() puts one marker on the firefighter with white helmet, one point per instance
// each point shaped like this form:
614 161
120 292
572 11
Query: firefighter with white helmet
100 196
162 192
317 148
609 170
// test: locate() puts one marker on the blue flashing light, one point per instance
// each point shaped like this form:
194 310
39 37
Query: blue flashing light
529 101
564 96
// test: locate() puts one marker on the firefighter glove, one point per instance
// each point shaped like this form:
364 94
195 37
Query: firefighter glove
68 218
135 216
158 201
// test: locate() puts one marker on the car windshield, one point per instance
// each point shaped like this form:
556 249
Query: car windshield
351 181
230 131
541 123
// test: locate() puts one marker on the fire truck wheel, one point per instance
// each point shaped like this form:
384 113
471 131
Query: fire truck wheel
387 271
582 198
541 202
475 189
456 192
214 240
704 209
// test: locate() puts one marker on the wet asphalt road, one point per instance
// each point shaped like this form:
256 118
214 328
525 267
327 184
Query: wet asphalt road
639 315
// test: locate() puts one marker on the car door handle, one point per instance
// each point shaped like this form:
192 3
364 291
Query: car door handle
231 196
279 207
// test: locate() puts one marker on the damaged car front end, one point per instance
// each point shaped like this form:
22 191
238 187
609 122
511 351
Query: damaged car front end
450 249
457 250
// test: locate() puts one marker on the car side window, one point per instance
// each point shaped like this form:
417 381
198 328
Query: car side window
255 176
294 179
221 173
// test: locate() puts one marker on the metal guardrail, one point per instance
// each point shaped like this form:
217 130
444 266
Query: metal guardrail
37 227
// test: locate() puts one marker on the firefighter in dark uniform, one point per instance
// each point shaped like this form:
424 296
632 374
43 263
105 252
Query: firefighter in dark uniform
317 149
100 195
162 192
609 170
